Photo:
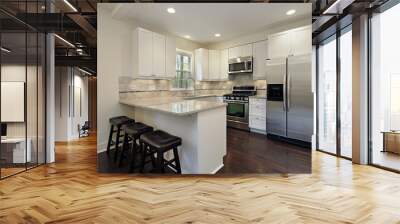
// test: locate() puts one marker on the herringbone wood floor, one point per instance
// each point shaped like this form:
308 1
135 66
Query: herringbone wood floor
71 191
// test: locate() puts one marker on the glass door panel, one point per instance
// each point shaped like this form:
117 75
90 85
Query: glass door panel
327 96
385 89
13 94
346 93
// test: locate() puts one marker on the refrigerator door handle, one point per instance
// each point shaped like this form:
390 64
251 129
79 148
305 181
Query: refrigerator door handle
284 92
288 92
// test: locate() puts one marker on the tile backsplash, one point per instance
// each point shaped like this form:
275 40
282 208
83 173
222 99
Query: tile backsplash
162 88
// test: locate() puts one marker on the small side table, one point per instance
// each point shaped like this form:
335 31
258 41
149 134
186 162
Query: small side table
391 141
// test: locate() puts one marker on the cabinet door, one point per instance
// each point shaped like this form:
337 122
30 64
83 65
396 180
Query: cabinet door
234 52
145 52
246 50
170 60
224 64
201 64
214 65
301 41
279 45
158 55
260 55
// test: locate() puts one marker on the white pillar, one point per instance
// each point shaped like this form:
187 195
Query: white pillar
360 90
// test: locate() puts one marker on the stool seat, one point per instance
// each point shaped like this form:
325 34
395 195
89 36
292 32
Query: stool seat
136 129
161 140
120 120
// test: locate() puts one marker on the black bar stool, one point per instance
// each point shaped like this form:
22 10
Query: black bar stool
116 122
158 142
133 131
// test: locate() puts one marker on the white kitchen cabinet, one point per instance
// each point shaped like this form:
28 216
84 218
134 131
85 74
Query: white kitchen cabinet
301 41
201 64
288 43
153 55
234 52
142 53
240 51
224 64
214 64
260 54
257 114
170 57
279 45
158 55
246 50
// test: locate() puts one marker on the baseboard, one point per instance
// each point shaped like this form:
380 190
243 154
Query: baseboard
258 131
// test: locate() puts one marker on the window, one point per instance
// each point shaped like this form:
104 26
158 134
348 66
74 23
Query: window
183 78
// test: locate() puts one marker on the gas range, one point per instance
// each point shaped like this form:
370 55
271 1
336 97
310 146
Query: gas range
237 112
241 93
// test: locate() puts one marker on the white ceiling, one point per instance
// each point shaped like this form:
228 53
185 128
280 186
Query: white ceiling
202 20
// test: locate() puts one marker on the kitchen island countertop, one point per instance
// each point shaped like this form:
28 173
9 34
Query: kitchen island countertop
175 106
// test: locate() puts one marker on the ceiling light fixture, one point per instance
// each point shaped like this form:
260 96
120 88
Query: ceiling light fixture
171 10
65 41
5 50
84 71
187 36
291 12
217 35
70 5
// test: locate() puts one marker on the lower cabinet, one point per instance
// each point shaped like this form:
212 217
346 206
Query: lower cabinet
257 115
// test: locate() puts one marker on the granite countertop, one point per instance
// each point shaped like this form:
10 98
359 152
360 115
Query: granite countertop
175 106
201 96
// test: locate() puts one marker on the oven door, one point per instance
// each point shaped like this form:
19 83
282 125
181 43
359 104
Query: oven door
237 111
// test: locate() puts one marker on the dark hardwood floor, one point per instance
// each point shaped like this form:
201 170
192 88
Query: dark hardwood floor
249 152
246 153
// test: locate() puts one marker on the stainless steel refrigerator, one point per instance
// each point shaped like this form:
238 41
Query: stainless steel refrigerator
290 98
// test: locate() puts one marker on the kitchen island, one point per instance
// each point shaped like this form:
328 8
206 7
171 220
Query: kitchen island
201 125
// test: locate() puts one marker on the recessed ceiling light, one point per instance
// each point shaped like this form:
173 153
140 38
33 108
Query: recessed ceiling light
217 34
187 36
171 10
291 12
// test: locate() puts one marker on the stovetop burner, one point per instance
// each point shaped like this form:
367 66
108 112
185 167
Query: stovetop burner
241 93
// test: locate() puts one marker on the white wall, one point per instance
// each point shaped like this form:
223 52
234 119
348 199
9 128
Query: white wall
66 121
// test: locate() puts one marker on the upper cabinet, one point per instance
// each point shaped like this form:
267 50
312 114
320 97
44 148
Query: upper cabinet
279 45
201 63
291 42
301 41
224 64
214 65
211 65
158 55
153 55
240 51
260 55
170 57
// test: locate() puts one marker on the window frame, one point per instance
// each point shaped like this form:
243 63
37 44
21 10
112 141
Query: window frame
191 55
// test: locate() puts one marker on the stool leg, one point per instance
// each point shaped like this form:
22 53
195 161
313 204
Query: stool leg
134 148
117 143
177 162
160 162
110 139
143 149
124 147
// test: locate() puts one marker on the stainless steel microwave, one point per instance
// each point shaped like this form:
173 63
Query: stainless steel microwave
241 65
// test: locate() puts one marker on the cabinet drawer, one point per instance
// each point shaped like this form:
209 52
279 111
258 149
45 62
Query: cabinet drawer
257 122
258 107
